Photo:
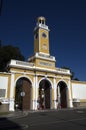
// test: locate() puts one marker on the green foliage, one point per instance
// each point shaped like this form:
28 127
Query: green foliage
7 53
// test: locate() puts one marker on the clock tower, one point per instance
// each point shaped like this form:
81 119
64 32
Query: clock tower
41 37
42 57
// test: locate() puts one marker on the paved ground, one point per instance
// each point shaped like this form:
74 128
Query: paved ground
19 114
61 119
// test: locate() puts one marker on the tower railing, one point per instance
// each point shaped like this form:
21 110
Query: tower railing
20 63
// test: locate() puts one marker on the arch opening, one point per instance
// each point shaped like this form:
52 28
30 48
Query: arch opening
62 94
23 94
44 94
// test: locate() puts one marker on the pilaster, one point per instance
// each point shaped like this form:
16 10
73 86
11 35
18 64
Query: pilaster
70 104
55 93
11 100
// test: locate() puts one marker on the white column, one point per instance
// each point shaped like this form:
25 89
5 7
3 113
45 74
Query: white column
59 95
55 93
34 94
11 104
70 96
11 100
36 91
59 91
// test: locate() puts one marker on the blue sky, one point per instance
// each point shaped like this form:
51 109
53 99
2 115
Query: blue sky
66 20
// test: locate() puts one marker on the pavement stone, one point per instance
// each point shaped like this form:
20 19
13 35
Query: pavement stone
19 114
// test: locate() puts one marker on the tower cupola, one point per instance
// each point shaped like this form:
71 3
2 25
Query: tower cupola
41 20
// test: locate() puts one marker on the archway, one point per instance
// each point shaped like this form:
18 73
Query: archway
23 94
62 94
45 94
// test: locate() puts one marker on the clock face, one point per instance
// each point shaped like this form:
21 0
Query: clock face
44 35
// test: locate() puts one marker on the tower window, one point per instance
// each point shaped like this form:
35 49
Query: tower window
42 21
44 35
39 21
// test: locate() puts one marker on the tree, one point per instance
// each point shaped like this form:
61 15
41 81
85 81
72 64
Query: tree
7 53
72 73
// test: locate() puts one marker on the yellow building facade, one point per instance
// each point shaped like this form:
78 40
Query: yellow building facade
38 83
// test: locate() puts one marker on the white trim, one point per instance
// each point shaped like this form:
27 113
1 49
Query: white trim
23 76
43 26
12 86
24 73
11 100
37 55
50 70
41 68
36 91
39 40
44 53
19 66
33 93
70 94
58 87
55 93
11 104
46 78
62 80
5 73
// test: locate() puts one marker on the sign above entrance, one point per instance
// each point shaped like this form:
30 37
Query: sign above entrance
45 64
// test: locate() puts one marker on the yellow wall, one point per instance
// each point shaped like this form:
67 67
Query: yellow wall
44 42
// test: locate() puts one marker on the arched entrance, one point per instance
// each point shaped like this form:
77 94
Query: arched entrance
23 94
45 94
62 94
